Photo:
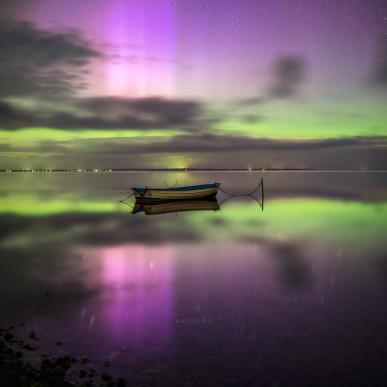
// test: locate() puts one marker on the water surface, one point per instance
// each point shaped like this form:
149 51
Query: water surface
292 295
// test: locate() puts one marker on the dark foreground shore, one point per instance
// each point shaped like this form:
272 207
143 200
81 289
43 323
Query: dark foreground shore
21 365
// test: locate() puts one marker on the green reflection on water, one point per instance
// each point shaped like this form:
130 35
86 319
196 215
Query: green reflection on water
282 219
289 219
33 205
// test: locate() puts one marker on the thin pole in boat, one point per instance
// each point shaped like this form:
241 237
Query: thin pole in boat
262 193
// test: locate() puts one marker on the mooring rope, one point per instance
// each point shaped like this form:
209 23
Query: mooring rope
123 200
127 204
230 195
248 194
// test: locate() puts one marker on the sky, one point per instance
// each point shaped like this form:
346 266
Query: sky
193 83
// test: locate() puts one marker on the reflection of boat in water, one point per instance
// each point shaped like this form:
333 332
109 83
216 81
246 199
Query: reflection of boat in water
164 207
153 201
191 192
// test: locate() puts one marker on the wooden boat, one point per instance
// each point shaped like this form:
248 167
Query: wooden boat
191 192
175 206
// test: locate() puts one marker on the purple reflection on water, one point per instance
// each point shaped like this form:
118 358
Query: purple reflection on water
134 306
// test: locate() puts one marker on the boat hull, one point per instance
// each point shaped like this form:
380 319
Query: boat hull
176 206
182 193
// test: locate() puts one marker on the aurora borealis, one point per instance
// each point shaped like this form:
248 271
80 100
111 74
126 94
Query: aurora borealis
277 280
161 83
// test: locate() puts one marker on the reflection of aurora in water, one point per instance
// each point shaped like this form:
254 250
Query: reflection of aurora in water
290 286
135 304
335 221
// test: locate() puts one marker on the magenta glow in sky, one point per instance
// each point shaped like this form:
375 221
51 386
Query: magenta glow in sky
137 38
134 83
217 48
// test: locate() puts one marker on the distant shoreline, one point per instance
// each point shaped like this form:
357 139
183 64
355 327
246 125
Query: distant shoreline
183 170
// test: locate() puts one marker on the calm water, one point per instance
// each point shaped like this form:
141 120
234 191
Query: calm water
290 296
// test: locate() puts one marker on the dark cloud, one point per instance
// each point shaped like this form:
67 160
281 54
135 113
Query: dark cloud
10 7
289 73
40 63
207 142
203 150
252 118
149 112
202 143
251 101
112 113
379 78
12 118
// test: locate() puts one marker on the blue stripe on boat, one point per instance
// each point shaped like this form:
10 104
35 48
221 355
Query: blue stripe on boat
187 188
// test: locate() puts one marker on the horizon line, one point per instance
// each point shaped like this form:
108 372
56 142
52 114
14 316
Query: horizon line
112 170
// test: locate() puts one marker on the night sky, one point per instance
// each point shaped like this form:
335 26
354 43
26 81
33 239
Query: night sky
193 83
